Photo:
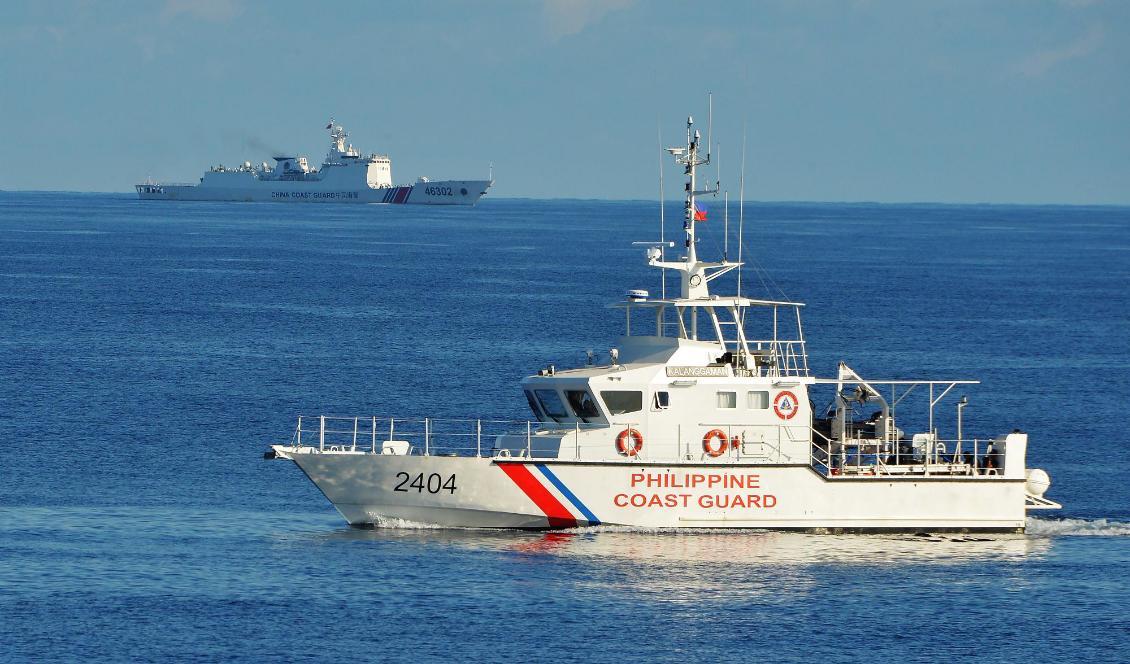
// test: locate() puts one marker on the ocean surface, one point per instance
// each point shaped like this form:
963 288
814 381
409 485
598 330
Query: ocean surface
150 352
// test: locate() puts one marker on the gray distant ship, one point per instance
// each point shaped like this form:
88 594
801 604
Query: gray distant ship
345 177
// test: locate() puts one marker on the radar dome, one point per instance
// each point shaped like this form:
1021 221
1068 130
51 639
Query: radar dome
1038 481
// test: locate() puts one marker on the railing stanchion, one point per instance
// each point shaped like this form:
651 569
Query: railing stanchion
528 441
354 448
577 441
374 434
390 432
427 435
321 433
300 431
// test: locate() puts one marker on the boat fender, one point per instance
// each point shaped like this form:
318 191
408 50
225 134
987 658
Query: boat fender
622 442
708 439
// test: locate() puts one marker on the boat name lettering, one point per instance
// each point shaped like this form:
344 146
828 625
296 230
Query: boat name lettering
433 484
695 481
705 501
697 372
314 194
438 191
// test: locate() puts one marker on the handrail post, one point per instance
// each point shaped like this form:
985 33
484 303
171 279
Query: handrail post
528 442
427 435
478 438
299 431
354 448
321 433
390 431
374 434
577 441
930 428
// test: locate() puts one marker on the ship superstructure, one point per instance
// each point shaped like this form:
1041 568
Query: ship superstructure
703 415
345 176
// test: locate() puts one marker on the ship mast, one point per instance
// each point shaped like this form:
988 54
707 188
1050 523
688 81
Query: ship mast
693 272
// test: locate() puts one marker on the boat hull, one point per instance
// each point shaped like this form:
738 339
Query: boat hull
446 192
374 489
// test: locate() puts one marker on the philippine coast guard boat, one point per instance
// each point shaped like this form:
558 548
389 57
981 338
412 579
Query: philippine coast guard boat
704 416
346 176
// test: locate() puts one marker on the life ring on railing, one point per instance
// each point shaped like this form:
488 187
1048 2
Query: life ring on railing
622 442
708 439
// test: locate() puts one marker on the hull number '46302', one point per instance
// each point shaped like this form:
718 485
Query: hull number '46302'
434 483
438 191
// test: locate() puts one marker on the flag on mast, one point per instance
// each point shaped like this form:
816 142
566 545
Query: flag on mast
699 212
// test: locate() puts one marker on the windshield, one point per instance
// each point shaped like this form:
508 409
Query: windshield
583 404
551 404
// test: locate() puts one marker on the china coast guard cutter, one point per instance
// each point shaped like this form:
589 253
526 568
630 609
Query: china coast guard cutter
704 416
346 176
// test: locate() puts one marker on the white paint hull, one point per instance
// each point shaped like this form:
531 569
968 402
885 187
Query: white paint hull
446 192
500 493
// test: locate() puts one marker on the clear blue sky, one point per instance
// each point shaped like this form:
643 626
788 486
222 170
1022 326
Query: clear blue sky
1023 101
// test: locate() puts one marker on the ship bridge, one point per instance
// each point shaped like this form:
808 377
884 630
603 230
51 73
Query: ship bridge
776 347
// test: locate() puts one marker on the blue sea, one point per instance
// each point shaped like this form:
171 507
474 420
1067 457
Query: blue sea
150 352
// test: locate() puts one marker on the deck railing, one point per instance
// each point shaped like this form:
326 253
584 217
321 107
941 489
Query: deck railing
743 443
925 456
790 357
425 436
527 438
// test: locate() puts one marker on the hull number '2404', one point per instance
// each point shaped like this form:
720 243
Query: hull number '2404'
438 191
434 483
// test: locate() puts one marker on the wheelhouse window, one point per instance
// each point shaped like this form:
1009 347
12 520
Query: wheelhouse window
757 400
583 404
534 405
662 400
622 401
727 399
551 404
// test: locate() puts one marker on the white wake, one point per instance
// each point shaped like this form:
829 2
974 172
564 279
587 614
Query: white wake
1038 527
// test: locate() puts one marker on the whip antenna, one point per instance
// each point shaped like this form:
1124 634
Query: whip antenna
709 123
662 204
726 228
741 213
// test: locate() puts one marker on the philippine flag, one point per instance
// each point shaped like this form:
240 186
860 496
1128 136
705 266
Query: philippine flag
699 212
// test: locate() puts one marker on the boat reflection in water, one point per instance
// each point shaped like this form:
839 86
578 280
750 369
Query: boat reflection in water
691 559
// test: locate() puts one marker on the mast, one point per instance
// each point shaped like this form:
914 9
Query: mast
693 273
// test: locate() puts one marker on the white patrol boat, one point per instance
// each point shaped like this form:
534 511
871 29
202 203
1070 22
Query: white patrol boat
346 176
703 417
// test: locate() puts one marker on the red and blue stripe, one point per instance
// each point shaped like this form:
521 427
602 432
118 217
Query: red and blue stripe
397 195
555 511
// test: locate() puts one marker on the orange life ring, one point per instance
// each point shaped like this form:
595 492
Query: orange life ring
622 442
709 437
